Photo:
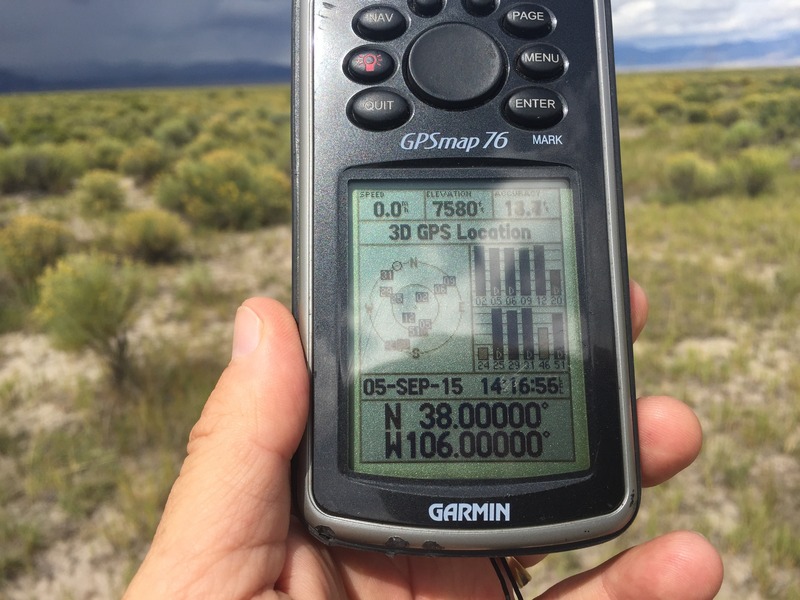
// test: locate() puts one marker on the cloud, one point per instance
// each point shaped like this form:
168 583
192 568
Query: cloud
48 34
265 14
661 22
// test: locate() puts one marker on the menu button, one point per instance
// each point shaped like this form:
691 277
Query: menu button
540 62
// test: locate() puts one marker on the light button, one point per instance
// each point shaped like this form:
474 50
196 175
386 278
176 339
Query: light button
369 65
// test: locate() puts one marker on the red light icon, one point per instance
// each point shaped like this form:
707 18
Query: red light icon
369 61
369 65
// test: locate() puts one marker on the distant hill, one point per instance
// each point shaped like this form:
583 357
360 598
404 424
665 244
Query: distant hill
10 81
629 56
135 75
778 52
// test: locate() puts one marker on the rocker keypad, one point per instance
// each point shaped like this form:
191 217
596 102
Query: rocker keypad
455 65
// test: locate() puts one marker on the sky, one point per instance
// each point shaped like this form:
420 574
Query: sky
45 35
675 22
36 33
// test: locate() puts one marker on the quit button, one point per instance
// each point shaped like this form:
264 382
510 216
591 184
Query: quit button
378 110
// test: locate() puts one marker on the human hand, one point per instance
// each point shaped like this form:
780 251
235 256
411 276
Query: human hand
227 530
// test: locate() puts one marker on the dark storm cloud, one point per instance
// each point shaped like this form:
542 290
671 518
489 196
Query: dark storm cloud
47 35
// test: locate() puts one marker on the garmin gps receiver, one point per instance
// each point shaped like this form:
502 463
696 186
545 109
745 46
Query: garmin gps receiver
460 276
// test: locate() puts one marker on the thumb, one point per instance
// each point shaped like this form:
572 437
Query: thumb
224 528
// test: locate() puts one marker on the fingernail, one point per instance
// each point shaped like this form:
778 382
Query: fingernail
246 332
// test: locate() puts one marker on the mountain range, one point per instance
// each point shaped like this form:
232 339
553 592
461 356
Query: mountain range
629 56
783 51
143 75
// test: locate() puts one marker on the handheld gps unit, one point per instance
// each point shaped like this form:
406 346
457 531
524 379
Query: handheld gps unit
460 276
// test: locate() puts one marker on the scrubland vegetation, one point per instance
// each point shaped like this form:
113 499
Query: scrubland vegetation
133 223
131 226
711 163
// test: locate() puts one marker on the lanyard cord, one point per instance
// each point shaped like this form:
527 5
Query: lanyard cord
504 573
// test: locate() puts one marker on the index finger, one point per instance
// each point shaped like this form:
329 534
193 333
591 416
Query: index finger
639 308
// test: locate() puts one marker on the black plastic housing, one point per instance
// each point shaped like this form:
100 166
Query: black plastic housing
387 514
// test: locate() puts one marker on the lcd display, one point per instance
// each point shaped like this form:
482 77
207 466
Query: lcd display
466 357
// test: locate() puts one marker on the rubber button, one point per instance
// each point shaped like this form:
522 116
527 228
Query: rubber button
534 108
369 65
540 62
528 21
379 23
455 66
480 8
426 8
378 110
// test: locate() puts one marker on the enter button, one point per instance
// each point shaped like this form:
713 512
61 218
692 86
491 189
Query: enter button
534 108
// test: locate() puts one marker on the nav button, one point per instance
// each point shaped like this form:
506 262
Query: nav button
378 110
380 23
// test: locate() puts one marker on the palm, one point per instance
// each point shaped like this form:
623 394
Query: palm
227 531
358 575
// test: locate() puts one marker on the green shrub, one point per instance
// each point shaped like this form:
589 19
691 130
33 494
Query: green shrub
52 169
5 137
176 132
30 243
99 191
151 235
690 177
12 170
196 286
89 301
778 111
14 310
20 540
742 134
758 169
726 112
224 190
72 466
106 154
144 160
46 168
204 143
643 115
666 105
277 192
697 113
787 280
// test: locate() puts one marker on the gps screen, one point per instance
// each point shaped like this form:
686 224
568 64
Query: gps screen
465 354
